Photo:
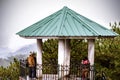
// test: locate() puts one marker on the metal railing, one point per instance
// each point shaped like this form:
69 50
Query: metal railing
23 69
59 72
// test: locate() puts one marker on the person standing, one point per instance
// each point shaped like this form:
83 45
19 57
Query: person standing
85 68
31 65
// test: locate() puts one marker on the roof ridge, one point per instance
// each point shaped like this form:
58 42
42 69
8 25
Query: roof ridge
62 19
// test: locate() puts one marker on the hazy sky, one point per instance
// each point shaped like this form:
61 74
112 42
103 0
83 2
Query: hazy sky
16 15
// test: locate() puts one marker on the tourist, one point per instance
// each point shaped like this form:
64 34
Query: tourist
85 68
31 65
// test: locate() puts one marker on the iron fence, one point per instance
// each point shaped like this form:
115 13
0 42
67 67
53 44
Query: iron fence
23 69
58 72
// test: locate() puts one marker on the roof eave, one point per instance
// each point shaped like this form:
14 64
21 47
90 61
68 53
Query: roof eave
66 37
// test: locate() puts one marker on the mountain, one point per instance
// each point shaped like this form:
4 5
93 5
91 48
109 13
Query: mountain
7 56
26 49
4 52
4 62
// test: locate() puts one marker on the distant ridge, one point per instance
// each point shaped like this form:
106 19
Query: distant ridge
7 56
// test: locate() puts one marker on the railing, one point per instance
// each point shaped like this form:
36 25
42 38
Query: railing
100 75
58 72
23 69
65 72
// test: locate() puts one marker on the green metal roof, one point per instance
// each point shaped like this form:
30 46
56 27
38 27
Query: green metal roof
68 24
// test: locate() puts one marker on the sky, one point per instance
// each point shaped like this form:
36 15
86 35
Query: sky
16 15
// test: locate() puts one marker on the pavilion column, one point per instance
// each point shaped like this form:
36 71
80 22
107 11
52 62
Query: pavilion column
39 58
67 52
63 57
91 52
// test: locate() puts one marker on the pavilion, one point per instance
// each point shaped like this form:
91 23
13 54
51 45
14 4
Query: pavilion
64 25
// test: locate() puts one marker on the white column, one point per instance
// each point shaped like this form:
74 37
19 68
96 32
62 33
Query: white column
64 56
91 52
67 52
39 58
67 56
61 51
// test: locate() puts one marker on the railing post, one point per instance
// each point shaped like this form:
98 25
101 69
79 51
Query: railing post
23 69
39 71
92 72
63 71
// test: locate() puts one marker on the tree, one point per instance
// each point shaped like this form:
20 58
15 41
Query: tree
107 54
50 56
11 72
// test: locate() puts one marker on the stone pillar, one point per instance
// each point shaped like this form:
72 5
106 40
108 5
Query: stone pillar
91 51
63 57
39 58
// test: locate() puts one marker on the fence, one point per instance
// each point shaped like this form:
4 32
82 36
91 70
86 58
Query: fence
58 72
23 69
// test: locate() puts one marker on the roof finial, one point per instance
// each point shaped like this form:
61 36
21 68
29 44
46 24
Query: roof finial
65 7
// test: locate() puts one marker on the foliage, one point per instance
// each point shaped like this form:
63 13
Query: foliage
11 72
78 50
115 27
107 57
50 57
